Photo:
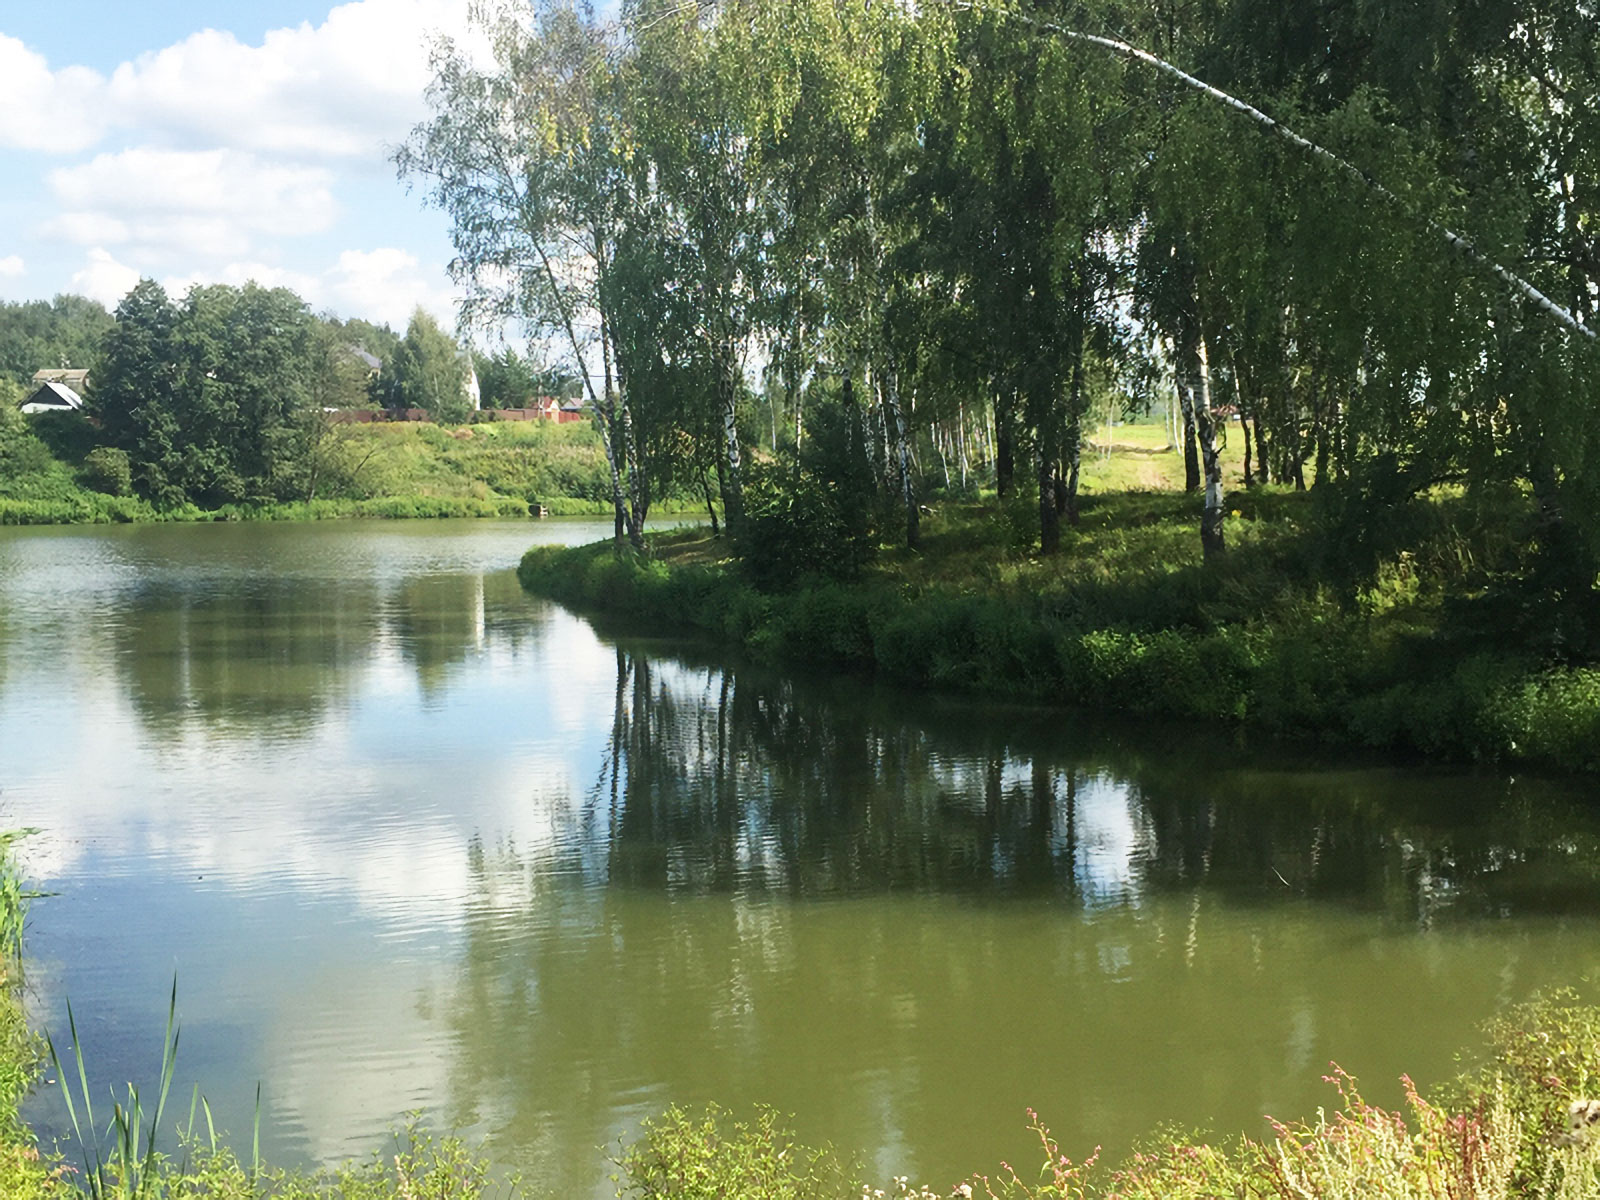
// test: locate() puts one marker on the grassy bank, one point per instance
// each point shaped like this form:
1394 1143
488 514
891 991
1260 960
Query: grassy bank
379 471
1421 636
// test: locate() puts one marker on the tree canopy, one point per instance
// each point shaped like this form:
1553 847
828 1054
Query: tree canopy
1365 241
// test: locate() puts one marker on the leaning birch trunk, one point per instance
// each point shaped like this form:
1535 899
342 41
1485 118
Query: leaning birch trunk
1463 246
895 423
1199 368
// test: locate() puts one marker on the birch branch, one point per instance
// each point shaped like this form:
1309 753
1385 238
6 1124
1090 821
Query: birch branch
1454 240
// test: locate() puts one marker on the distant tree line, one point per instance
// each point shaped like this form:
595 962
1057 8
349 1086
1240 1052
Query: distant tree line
222 396
936 234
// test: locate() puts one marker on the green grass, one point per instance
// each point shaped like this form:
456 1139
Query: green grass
389 471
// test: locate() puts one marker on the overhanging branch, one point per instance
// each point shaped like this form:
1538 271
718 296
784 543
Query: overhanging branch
1454 240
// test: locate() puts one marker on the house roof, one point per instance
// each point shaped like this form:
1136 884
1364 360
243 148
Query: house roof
371 361
76 378
50 396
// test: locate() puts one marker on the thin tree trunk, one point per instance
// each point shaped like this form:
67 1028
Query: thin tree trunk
1075 406
728 406
1244 423
1244 432
638 485
711 508
895 427
606 410
1048 461
961 443
608 439
1541 302
1191 447
1005 444
1321 428
1049 518
1199 368
796 405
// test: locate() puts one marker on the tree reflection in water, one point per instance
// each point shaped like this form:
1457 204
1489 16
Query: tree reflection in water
899 918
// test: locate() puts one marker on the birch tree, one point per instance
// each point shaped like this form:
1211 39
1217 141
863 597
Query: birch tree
527 155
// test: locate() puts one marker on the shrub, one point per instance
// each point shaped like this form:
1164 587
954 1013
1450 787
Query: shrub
107 469
714 1157
799 525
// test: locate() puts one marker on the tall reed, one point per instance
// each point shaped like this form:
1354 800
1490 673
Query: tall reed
124 1172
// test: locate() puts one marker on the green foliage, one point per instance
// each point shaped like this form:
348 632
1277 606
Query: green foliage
426 370
507 380
123 1171
209 398
43 335
797 526
108 469
21 451
379 470
714 1156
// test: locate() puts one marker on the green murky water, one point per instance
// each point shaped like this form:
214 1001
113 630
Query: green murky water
411 839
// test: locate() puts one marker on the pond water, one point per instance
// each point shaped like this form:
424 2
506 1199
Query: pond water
409 839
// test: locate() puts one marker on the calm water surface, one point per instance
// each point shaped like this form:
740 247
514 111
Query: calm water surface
412 840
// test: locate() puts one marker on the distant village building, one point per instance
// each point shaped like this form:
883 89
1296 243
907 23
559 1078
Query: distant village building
371 362
57 390
53 397
76 378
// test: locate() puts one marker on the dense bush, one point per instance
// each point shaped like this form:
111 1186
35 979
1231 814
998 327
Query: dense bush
716 1157
107 469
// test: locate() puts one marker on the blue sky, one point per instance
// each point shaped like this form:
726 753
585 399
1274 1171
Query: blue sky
205 142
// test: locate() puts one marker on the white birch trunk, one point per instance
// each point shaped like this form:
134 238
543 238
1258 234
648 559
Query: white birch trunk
1211 514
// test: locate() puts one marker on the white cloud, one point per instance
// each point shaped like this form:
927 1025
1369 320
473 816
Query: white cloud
155 189
40 109
86 228
11 266
345 88
342 88
387 284
103 278
214 160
